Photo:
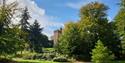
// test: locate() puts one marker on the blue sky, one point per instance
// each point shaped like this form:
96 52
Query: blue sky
64 11
59 9
68 10
53 14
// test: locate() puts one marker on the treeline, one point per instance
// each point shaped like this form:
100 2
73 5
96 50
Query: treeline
93 36
22 36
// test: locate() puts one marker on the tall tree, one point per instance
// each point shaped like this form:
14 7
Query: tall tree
24 20
6 14
35 37
120 25
95 26
10 42
24 25
69 40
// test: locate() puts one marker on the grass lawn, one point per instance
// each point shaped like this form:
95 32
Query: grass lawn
44 61
34 61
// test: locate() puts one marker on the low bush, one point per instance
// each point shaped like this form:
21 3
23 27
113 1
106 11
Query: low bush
48 56
37 56
60 59
25 55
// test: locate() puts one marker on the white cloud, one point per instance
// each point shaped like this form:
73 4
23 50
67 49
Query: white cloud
78 5
109 18
38 13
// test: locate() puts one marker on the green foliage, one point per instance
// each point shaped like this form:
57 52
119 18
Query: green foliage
49 49
94 26
93 10
24 20
120 22
78 39
122 3
10 41
120 26
25 54
37 39
15 38
48 56
101 54
33 61
68 42
6 14
24 25
60 59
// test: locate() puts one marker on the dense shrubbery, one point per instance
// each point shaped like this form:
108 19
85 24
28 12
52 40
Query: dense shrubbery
48 55
25 55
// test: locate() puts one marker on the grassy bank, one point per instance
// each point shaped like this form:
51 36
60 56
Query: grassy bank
34 61
44 61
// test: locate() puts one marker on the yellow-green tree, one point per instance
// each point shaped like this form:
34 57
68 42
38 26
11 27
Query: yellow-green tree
94 26
69 40
120 26
101 54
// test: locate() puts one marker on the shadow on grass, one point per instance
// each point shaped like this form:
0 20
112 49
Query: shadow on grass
28 62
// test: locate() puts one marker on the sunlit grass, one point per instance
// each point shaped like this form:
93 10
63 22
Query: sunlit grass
34 61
